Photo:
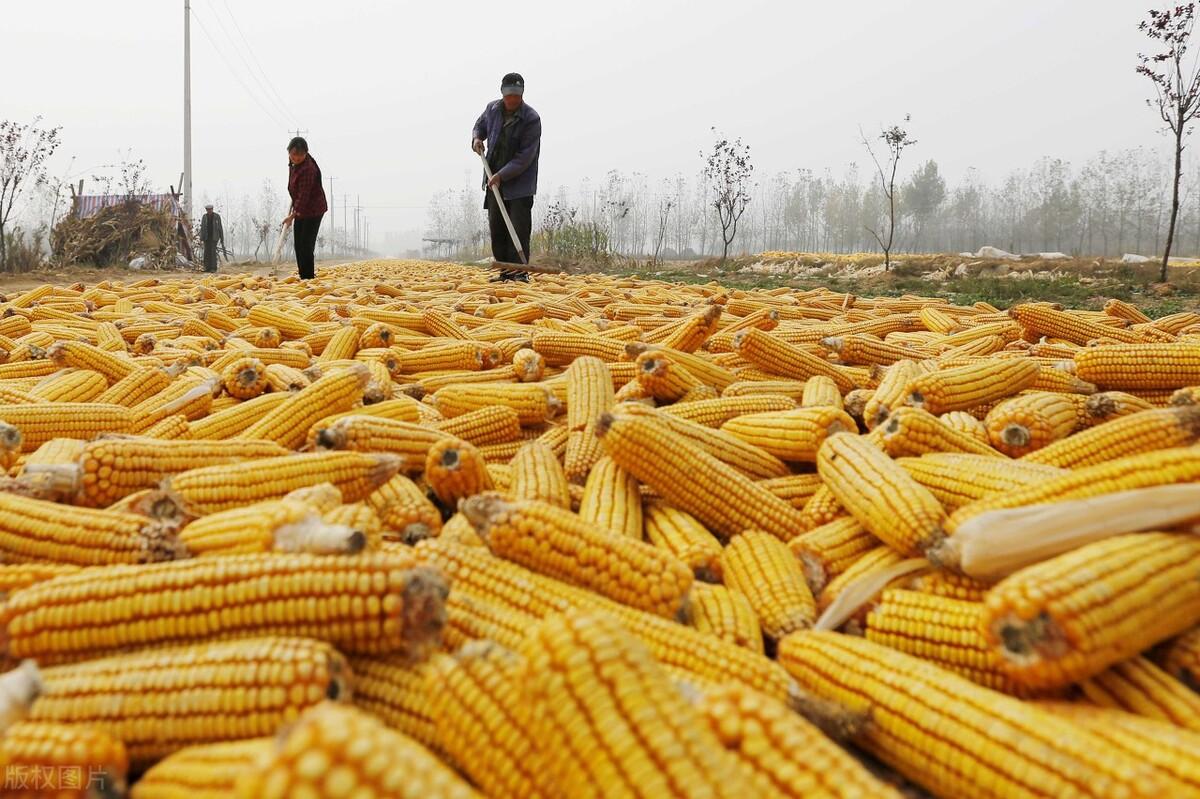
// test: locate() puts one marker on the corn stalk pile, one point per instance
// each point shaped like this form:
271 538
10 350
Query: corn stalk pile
401 532
116 234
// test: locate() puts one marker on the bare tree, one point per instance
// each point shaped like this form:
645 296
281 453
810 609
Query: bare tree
1176 90
666 203
897 139
728 171
24 150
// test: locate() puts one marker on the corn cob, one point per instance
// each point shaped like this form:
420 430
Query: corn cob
726 614
482 722
794 489
289 422
286 323
397 691
529 365
46 759
891 392
778 356
285 378
939 630
379 434
1045 620
1042 755
1125 310
210 489
491 425
537 474
689 334
455 470
405 511
231 422
683 536
110 469
400 409
822 507
966 387
958 479
611 500
336 750
1022 425
376 336
282 525
160 700
1173 752
1161 467
1140 687
1144 431
172 428
868 350
573 667
966 424
589 394
790 756
720 497
268 355
1138 367
749 459
560 349
204 771
385 602
532 402
1042 320
873 562
826 551
744 388
716 412
762 569
880 494
79 385
81 355
245 378
821 391
701 367
794 435
912 432
40 422
940 582
559 544
1180 657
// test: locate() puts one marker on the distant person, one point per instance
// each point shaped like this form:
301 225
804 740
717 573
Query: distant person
308 205
212 236
512 131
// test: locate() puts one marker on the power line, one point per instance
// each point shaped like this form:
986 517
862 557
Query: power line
267 78
265 84
237 77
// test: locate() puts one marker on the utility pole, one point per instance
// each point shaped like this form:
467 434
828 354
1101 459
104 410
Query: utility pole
187 108
332 219
345 226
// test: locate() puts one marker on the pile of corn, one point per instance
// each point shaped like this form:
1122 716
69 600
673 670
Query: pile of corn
403 532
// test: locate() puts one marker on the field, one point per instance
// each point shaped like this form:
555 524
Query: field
784 527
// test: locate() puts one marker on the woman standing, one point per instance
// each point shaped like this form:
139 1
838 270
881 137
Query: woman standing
308 204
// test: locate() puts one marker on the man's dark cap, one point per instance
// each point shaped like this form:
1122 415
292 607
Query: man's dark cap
512 83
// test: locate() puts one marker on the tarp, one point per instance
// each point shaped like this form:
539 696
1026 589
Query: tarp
89 204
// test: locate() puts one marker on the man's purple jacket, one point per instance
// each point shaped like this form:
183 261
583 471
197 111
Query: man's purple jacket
518 178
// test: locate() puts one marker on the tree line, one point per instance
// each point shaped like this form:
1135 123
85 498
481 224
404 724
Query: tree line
1113 203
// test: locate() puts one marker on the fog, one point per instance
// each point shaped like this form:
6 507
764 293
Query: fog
386 92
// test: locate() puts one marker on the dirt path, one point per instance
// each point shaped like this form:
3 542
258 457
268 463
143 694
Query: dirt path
89 275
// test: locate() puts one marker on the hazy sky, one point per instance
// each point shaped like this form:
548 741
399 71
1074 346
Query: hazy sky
388 90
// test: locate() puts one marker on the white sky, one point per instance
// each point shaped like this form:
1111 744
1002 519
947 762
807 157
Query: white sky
388 90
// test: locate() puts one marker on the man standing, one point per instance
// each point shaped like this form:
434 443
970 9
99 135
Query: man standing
212 236
512 131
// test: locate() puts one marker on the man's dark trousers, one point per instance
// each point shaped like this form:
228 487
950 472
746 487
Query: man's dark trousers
520 211
304 232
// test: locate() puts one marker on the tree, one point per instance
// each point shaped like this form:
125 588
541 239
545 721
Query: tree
728 171
666 203
1176 90
24 150
897 139
923 196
